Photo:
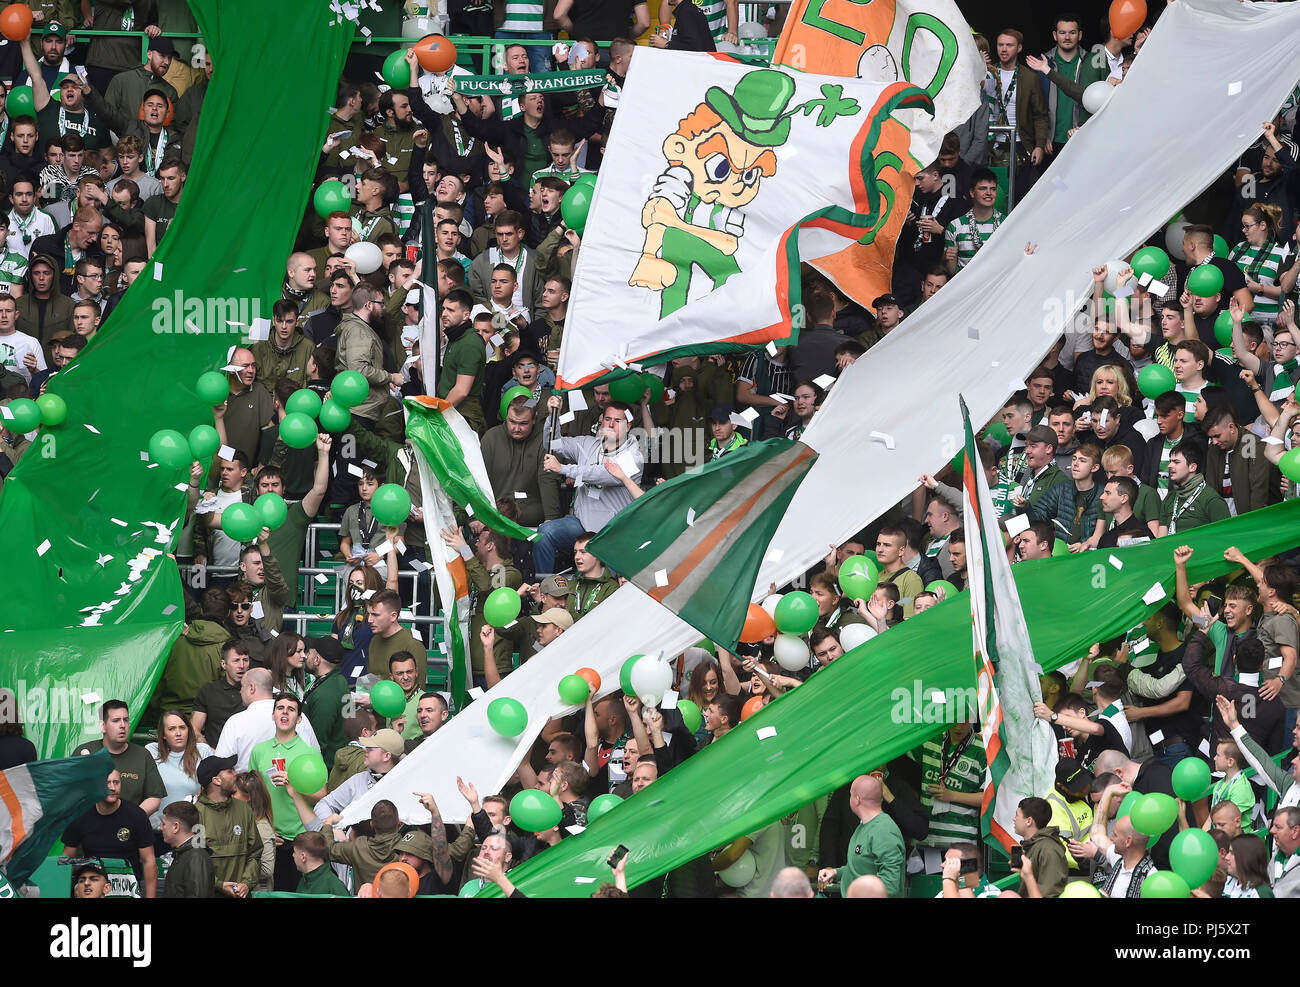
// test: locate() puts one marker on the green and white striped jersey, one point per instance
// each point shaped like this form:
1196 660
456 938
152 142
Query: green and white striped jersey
716 13
522 15
1264 267
968 235
949 822
12 269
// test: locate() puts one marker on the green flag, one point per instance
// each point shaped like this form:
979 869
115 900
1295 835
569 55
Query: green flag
695 543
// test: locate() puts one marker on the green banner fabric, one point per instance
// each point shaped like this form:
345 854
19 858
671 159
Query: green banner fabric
695 543
536 82
93 602
429 432
876 703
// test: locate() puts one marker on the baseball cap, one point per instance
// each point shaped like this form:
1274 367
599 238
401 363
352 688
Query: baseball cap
329 648
90 863
1072 776
163 46
155 91
57 29
721 413
884 300
1039 433
417 843
69 77
560 618
555 586
389 740
212 766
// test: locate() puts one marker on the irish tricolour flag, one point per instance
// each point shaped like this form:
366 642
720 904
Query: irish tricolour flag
1020 750
38 800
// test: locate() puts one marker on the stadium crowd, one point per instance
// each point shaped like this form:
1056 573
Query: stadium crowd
1082 459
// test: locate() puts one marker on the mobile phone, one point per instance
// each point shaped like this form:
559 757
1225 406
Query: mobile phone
972 865
1214 604
1017 857
619 853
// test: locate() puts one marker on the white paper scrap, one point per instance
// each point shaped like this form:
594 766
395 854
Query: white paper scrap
1154 595
765 733
661 577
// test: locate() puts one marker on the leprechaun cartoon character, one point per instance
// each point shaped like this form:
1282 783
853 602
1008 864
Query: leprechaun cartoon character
717 159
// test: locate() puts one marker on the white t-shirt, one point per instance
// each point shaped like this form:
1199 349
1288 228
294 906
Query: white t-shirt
14 349
225 550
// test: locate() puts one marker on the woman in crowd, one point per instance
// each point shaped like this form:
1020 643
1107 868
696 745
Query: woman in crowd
251 788
178 752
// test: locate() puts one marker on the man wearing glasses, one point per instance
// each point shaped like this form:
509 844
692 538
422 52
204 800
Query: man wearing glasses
250 410
89 274
1270 381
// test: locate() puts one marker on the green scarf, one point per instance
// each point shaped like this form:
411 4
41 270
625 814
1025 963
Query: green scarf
1284 381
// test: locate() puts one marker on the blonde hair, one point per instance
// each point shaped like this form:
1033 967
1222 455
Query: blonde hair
1268 214
1122 395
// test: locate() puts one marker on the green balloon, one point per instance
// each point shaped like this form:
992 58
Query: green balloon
517 391
471 889
331 196
870 556
387 699
391 505
26 416
166 446
691 714
1194 855
304 401
1223 328
204 441
1155 379
534 811
1289 464
858 577
625 675
1079 889
272 509
241 522
307 772
1192 781
1153 813
350 388
395 71
213 387
1220 246
507 716
576 204
796 613
574 690
1165 884
656 385
21 102
999 433
600 805
1205 281
949 590
53 409
1126 804
1151 260
334 418
628 389
297 430
502 606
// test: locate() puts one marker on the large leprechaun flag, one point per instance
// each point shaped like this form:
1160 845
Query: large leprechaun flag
721 179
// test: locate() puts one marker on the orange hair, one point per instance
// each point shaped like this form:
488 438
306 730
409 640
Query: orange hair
702 119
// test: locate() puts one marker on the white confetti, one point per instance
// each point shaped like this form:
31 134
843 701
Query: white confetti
884 437
157 271
1114 560
1234 88
765 733
661 577
92 428
43 547
1154 595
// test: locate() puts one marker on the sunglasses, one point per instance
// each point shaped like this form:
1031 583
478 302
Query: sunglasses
241 606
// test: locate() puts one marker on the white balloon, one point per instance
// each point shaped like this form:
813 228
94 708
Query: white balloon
366 256
853 635
751 29
791 652
770 603
1113 267
727 48
1097 95
651 678
741 872
1174 238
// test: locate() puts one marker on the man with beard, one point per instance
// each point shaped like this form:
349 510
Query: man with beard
126 91
52 63
370 216
360 349
464 361
22 162
160 210
398 133
512 454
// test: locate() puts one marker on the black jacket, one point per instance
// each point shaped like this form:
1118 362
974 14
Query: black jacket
690 29
1267 720
191 874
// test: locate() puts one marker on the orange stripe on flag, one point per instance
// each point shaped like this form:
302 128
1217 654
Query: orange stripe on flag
10 799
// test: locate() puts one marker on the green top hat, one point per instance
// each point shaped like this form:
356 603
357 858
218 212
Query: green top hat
757 111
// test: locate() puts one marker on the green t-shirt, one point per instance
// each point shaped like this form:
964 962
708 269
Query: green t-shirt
536 156
139 771
1239 793
287 823
464 355
12 268
162 211
1064 104
286 544
876 847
